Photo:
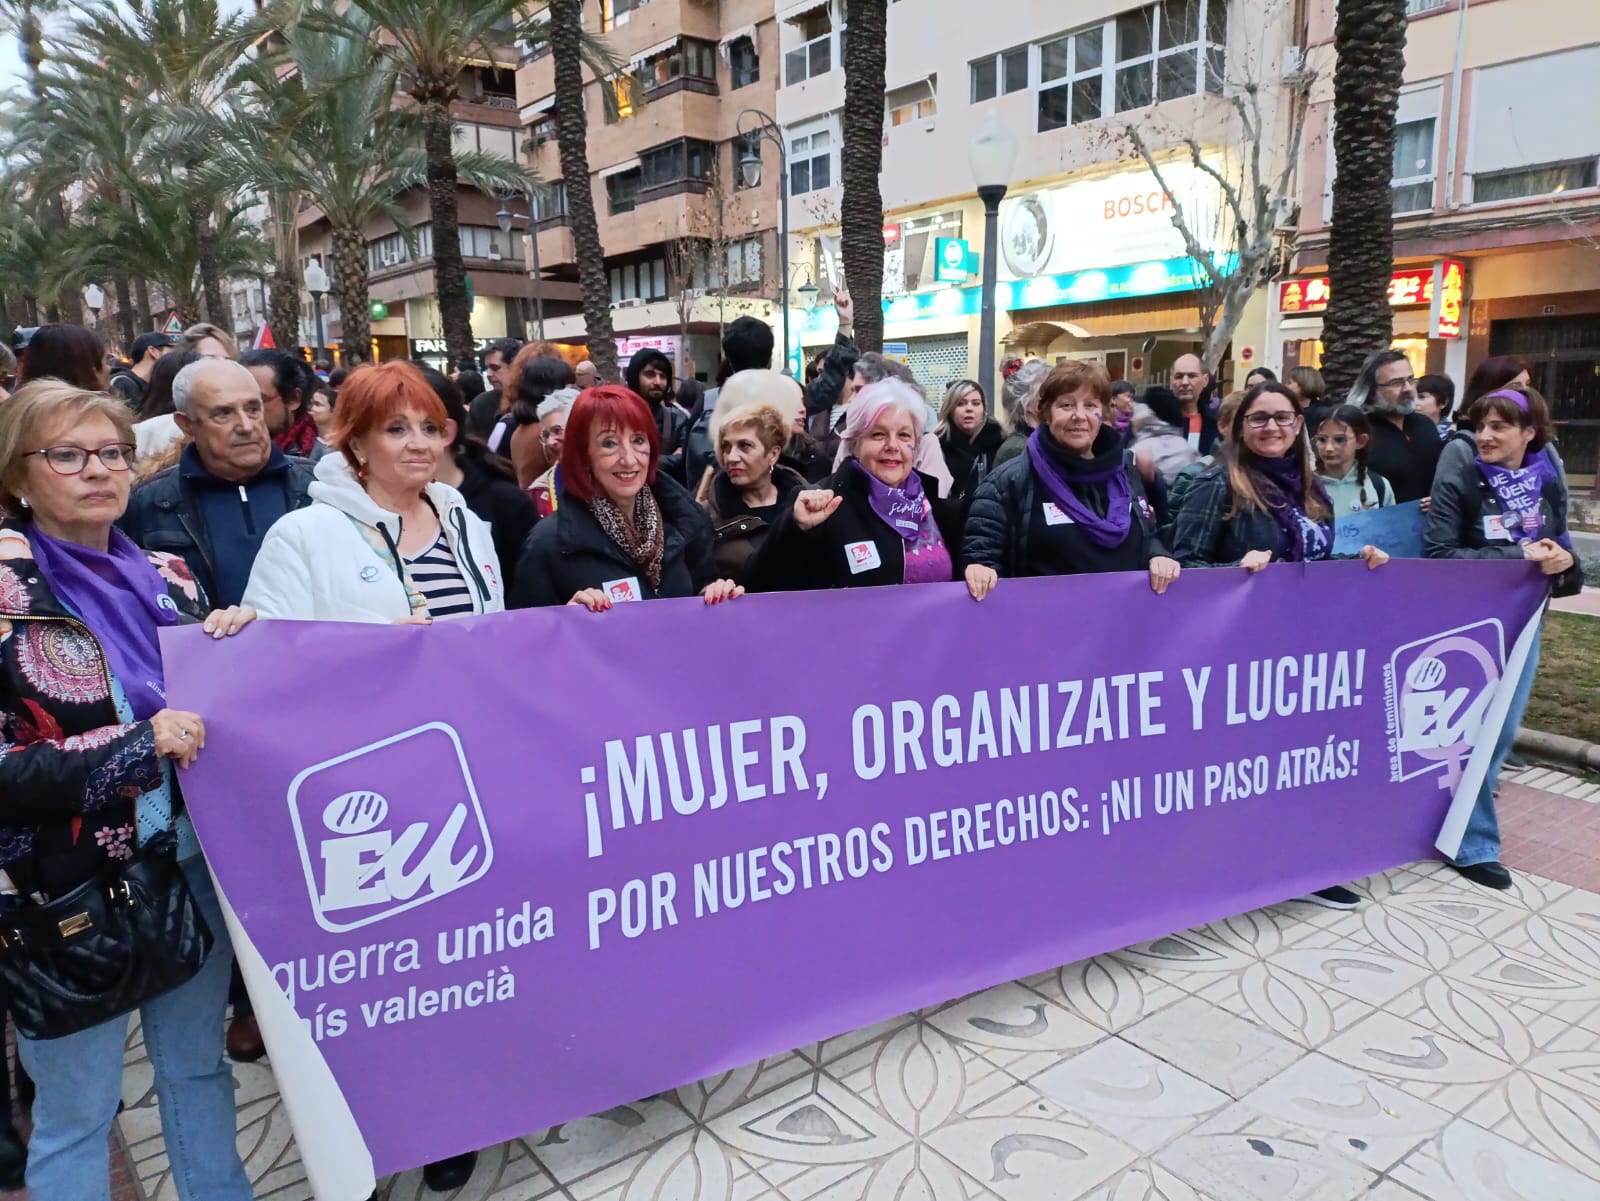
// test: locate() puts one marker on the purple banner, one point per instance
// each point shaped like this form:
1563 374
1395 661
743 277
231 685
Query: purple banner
531 866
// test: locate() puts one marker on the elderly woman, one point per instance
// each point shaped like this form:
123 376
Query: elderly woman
970 437
86 788
553 412
876 520
751 427
1075 503
1508 503
622 531
382 540
1021 395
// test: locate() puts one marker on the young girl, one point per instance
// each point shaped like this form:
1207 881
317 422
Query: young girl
1341 445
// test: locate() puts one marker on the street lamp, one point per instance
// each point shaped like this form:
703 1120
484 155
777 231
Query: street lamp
317 285
95 297
504 219
993 155
765 128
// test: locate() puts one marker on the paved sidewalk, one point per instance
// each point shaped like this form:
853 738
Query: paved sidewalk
1587 602
1440 1042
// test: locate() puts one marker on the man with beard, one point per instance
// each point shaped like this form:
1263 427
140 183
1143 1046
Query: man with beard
1404 447
649 374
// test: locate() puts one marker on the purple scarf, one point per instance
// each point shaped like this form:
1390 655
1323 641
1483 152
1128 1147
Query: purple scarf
1108 531
1519 490
1302 539
122 599
902 509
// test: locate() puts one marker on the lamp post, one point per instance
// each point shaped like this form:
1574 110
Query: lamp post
766 129
317 285
95 297
504 219
993 155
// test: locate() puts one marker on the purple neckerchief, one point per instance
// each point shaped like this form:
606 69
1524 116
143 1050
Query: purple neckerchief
1108 531
1303 540
902 508
123 601
1519 490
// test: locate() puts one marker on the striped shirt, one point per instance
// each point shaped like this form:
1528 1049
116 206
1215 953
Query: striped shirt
439 580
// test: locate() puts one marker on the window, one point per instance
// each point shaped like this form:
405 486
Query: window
687 158
810 162
744 263
616 13
550 200
744 146
912 104
487 242
1415 8
639 281
1072 79
391 250
690 58
469 138
999 74
622 190
744 67
1546 180
816 56
541 130
1413 166
622 91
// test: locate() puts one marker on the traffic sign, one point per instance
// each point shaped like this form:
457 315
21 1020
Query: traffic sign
174 324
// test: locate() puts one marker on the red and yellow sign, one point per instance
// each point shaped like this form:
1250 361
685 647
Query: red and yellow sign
1411 286
1449 293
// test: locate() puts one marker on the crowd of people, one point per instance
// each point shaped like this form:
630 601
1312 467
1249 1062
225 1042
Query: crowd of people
195 483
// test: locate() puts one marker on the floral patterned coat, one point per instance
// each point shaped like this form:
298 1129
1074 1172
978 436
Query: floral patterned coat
71 770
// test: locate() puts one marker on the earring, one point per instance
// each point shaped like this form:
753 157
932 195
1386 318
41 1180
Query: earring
361 470
23 501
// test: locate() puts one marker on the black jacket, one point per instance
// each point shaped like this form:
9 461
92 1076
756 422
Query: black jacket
797 560
507 508
1007 529
739 532
483 414
129 386
970 459
568 552
166 513
1406 457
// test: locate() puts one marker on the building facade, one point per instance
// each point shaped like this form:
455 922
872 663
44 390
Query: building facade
688 225
1495 198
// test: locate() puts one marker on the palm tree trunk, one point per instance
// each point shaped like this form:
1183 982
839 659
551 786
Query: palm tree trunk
216 310
119 281
141 301
283 308
861 208
449 272
566 35
1369 43
350 287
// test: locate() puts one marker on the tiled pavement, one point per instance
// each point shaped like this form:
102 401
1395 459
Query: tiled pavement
1440 1042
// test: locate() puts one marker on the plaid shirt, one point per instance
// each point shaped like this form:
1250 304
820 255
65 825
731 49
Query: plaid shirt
1204 536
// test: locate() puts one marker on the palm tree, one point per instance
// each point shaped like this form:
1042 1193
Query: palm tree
339 140
1369 38
177 56
861 208
567 47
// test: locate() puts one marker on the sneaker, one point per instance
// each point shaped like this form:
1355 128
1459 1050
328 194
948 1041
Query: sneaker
1490 875
1337 897
447 1175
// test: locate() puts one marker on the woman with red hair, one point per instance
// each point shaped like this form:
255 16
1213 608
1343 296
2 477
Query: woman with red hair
621 530
381 541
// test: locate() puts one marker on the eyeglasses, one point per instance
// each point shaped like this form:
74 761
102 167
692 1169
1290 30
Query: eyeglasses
1332 439
71 460
552 435
1398 383
1260 421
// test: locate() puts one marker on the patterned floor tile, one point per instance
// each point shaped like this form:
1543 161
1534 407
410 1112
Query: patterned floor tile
1475 1165
1245 1156
1146 1100
1106 991
1214 1046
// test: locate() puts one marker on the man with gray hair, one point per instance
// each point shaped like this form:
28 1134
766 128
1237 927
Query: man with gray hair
872 368
1404 447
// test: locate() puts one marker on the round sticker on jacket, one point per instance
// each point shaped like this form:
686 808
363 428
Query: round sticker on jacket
370 573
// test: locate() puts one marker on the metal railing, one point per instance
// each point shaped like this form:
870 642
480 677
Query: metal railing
1416 8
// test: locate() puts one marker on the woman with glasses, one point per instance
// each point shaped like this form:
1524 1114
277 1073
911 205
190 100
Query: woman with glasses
86 781
553 412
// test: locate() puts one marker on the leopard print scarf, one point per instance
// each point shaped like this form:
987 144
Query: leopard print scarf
647 550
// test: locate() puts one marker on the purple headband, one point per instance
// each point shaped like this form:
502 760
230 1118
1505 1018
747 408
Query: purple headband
1511 394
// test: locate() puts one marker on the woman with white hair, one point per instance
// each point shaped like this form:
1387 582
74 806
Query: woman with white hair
755 415
553 410
1020 393
877 520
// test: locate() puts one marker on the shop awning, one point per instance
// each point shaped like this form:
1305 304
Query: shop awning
607 172
644 56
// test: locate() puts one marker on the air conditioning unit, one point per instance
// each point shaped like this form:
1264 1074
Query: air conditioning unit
632 303
495 256
388 258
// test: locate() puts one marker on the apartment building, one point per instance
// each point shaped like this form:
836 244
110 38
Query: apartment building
1090 264
405 312
689 230
1495 193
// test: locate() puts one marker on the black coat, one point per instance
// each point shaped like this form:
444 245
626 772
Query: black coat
797 560
970 459
1007 529
739 532
1406 457
507 508
568 552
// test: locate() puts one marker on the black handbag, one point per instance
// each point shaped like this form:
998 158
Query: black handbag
103 949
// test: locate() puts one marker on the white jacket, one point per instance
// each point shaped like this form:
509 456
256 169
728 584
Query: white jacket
315 565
